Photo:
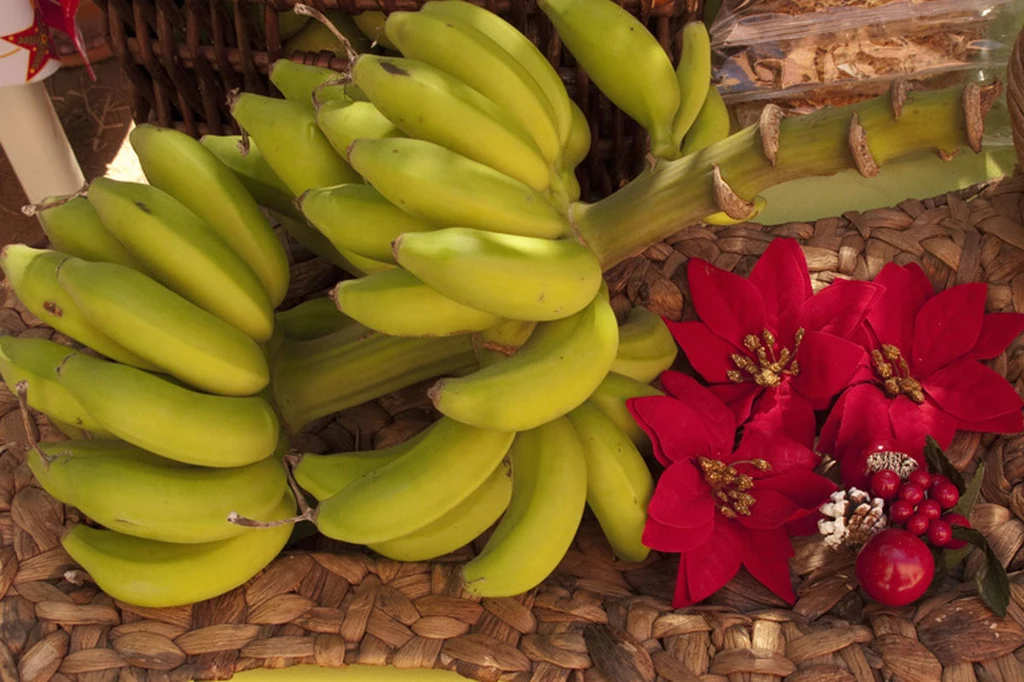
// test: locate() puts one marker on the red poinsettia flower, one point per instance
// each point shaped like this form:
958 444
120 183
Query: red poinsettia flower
767 345
923 374
722 506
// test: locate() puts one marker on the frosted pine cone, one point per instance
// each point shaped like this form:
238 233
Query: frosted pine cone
853 517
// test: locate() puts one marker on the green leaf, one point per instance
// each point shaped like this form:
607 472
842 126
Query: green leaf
938 462
992 581
970 496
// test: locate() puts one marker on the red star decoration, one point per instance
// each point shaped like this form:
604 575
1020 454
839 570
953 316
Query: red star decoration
36 39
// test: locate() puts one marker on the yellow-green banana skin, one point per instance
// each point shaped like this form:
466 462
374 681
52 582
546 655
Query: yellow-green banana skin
712 124
171 420
184 254
611 396
179 165
694 73
324 476
32 274
298 81
515 277
311 319
156 574
35 362
440 471
75 228
646 346
619 483
345 122
443 187
549 491
396 302
147 496
253 171
182 339
458 527
554 372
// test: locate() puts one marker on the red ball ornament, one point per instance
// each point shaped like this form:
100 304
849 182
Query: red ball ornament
940 533
929 509
945 494
911 493
917 524
920 478
937 479
954 521
895 567
885 484
900 511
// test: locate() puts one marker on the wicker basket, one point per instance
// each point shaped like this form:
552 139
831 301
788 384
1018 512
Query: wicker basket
181 62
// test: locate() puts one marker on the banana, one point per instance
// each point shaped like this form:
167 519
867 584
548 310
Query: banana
156 574
315 37
32 274
35 362
723 218
185 255
646 346
149 319
317 243
440 186
520 278
440 471
712 124
311 319
358 218
170 420
146 496
462 51
372 26
519 47
577 146
693 73
256 176
549 492
619 483
291 143
611 396
396 302
428 104
624 61
553 373
458 527
297 82
73 227
345 122
503 339
325 476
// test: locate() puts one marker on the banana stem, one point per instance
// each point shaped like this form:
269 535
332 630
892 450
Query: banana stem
312 379
728 175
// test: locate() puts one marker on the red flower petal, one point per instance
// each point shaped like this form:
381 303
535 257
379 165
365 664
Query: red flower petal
731 306
681 596
719 422
947 327
826 365
771 510
892 317
676 429
841 307
766 556
681 498
787 411
709 354
762 441
859 418
739 398
1011 422
911 423
919 280
998 330
711 566
781 276
971 391
666 538
806 489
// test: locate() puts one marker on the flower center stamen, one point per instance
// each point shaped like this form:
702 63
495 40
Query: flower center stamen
730 486
894 371
769 369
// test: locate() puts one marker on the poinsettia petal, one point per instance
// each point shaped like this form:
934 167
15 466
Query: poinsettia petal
783 454
787 411
709 354
826 365
911 423
666 538
919 280
859 418
971 391
998 331
719 422
771 510
681 595
676 429
947 327
781 276
841 307
1011 422
711 566
730 305
766 556
805 489
739 398
682 499
892 316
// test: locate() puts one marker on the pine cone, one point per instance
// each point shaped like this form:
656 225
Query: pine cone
853 517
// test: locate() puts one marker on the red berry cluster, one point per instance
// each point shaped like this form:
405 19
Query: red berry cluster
920 504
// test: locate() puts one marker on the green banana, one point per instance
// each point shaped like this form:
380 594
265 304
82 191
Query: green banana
619 483
170 420
577 146
624 61
520 278
458 527
317 243
503 339
35 362
723 218
693 73
549 492
358 218
554 372
184 254
179 165
345 122
712 124
311 319
440 471
73 227
457 48
32 274
646 346
156 574
316 37
297 82
254 173
146 496
372 26
611 396
291 143
440 186
396 302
